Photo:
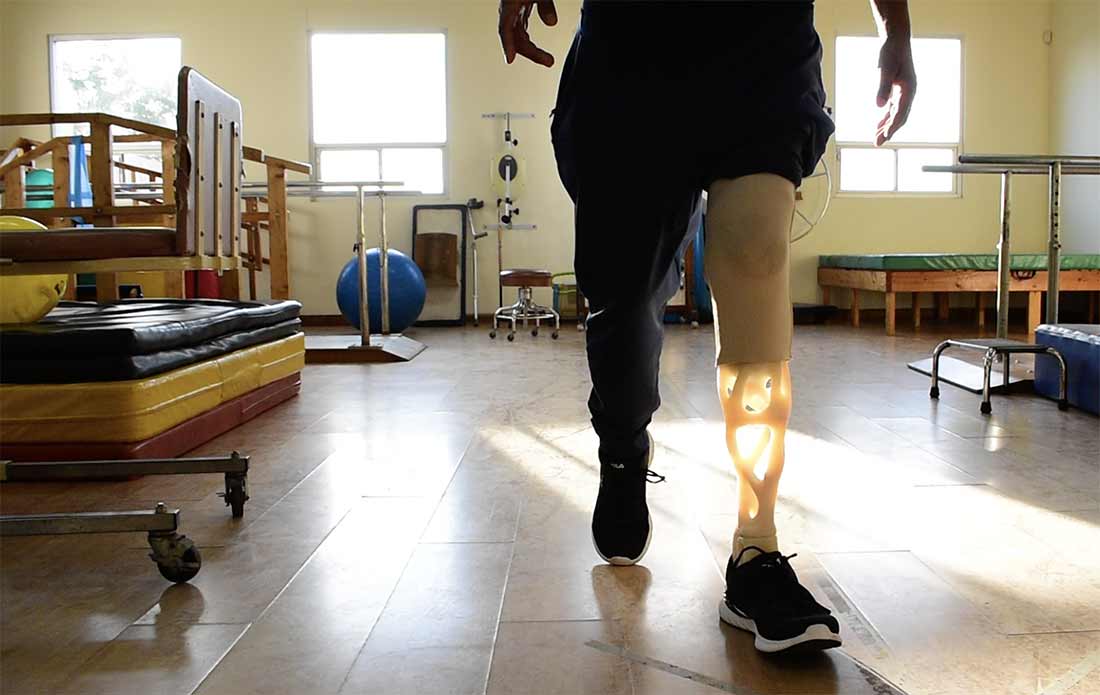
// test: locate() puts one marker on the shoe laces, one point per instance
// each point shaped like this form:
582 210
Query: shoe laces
774 559
781 585
651 476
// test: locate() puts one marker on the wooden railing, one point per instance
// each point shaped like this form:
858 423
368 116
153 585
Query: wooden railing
103 212
268 213
274 216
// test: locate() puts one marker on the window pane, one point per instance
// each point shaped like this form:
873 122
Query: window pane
379 88
133 78
866 169
937 109
348 165
420 168
911 176
856 85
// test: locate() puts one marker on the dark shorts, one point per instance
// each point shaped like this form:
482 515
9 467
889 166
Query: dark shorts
712 89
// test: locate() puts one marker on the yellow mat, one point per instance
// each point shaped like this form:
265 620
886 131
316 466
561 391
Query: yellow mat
131 411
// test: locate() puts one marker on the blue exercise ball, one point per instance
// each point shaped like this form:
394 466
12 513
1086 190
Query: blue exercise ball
407 291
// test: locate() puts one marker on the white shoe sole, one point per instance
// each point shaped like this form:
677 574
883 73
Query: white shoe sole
618 560
815 637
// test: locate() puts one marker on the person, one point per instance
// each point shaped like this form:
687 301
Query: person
660 101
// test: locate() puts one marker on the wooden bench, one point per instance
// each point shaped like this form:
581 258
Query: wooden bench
894 273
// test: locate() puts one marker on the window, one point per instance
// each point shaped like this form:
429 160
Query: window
931 136
380 108
129 77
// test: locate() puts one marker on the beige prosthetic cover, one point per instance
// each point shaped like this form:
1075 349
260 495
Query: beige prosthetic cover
747 265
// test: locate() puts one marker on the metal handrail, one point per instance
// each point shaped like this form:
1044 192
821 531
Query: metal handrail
1008 165
326 184
1040 159
1038 169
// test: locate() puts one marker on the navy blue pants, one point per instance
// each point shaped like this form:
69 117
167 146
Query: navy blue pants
657 100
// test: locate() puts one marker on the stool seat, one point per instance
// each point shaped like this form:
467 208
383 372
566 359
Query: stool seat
525 277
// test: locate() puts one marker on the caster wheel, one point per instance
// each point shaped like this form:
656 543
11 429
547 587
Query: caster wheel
934 392
177 558
492 335
1063 405
986 408
694 324
580 327
554 335
185 570
511 337
535 333
235 497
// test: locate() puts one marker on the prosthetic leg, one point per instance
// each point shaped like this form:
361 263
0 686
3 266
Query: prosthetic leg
748 267
756 402
747 264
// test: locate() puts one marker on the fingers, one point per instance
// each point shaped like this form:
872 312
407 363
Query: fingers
514 38
525 46
904 105
883 129
547 13
900 103
509 19
529 50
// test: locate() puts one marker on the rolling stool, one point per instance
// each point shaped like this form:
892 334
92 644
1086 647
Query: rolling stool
525 308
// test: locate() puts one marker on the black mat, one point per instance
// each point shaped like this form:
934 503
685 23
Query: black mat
120 367
80 330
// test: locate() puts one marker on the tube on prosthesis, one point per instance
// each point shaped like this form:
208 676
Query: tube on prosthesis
756 403
747 264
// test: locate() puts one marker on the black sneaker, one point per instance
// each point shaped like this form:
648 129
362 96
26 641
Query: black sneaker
763 596
621 524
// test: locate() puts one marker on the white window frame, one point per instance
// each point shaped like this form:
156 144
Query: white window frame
315 149
956 147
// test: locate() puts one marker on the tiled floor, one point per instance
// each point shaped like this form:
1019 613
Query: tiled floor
423 528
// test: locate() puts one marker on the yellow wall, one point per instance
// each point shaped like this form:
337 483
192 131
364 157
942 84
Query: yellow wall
1075 117
258 51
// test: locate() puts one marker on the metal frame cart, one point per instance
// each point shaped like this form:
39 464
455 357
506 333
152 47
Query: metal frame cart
175 555
1001 348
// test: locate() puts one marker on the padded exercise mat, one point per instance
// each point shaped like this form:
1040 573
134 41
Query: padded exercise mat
955 261
138 326
173 442
130 411
121 367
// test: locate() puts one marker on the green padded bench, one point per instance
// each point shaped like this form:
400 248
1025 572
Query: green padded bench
944 273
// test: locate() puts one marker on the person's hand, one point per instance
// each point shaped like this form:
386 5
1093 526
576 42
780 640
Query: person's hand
514 38
897 86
